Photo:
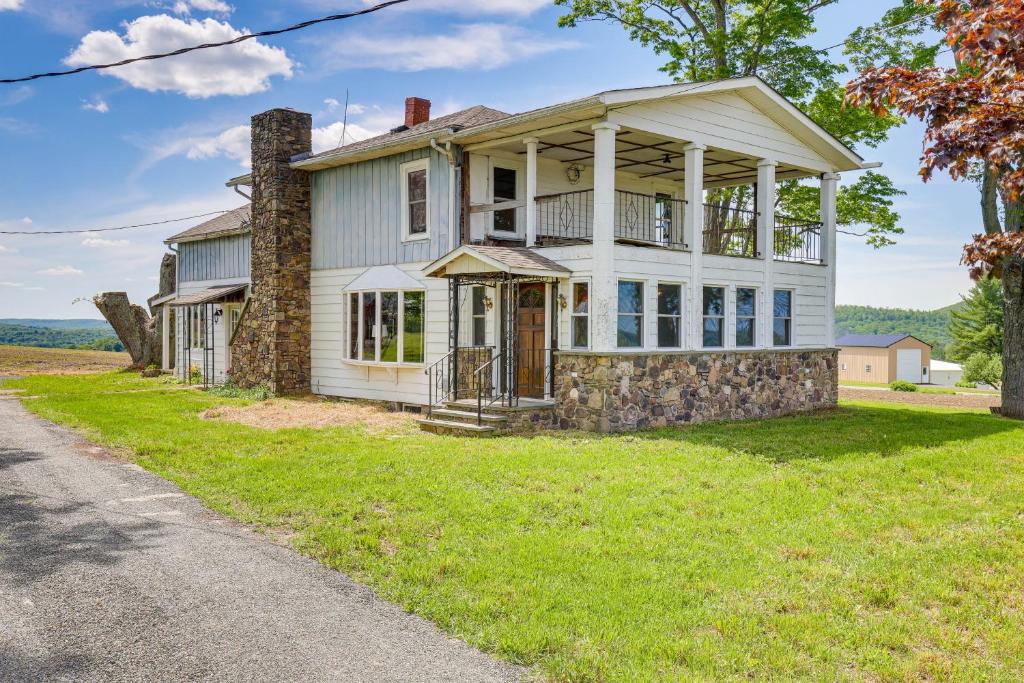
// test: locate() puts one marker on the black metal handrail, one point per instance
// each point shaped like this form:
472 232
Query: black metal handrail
645 219
730 231
797 241
489 365
438 375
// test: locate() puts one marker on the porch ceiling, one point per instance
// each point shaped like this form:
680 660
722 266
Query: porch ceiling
647 155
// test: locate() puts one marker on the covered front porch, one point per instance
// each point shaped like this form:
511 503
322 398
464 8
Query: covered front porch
503 329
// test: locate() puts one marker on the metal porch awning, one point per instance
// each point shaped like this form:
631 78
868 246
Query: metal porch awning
208 296
490 260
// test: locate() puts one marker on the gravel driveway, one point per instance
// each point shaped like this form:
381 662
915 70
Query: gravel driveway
110 573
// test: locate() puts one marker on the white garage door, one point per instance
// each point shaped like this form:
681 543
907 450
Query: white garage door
908 365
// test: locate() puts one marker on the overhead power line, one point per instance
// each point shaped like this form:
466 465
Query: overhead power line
882 29
78 231
207 46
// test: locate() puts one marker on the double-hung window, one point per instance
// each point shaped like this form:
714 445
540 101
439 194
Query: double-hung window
479 315
714 317
746 316
415 179
385 326
580 315
631 314
782 323
505 180
197 326
670 315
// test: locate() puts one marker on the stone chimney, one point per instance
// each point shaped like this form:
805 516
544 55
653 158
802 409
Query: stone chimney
417 110
271 346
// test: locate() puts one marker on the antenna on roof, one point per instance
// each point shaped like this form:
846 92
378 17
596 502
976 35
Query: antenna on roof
344 121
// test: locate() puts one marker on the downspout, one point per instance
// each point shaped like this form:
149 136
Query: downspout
235 188
452 167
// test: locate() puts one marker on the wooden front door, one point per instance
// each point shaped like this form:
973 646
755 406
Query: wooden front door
530 352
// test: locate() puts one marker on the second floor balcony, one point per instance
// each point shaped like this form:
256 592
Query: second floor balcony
657 221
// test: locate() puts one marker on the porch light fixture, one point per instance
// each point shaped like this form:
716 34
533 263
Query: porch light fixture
488 302
562 302
573 173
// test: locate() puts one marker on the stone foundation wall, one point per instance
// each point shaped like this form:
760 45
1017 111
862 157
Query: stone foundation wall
272 345
623 392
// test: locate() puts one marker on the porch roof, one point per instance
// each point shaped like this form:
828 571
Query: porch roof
480 259
208 296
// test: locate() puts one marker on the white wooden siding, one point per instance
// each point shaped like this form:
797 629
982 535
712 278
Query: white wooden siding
214 259
357 219
219 331
333 376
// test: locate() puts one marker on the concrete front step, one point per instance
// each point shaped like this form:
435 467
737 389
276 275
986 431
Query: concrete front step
466 416
457 428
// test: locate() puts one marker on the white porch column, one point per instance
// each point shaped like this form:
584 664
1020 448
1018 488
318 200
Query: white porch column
765 207
829 191
531 191
604 297
693 237
165 341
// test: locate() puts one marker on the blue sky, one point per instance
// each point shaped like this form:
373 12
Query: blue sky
158 142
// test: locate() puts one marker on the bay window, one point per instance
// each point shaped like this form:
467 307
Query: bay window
385 327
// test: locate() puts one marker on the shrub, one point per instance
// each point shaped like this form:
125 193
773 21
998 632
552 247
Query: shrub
984 367
964 384
229 390
195 374
903 385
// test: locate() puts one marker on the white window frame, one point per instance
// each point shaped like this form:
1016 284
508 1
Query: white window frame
573 315
378 313
643 311
682 314
403 173
724 317
736 316
519 167
792 318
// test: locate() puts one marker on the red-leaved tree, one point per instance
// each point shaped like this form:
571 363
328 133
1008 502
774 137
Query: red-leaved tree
974 113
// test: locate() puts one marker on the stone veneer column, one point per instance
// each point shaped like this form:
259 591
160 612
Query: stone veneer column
272 346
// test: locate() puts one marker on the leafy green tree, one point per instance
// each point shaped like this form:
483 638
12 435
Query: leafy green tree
984 367
977 325
705 40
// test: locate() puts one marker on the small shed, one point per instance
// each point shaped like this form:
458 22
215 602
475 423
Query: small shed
946 374
884 358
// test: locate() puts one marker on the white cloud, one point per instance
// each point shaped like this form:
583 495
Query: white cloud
186 6
332 103
60 270
21 285
233 143
11 5
91 240
26 220
16 96
98 105
472 46
470 7
4 249
241 69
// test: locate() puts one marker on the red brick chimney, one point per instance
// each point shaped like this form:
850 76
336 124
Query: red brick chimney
417 110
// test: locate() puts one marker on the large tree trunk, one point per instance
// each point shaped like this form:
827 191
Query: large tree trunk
1013 339
133 326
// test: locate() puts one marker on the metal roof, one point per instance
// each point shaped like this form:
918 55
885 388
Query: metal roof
877 341
208 296
492 259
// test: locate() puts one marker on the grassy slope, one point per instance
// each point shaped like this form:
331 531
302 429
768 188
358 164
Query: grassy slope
872 542
26 360
929 326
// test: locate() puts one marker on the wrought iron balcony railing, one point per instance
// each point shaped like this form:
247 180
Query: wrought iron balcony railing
797 241
729 231
648 220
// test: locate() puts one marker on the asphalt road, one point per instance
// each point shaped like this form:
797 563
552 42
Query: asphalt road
110 573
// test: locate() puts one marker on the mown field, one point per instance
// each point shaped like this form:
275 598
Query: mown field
875 542
27 360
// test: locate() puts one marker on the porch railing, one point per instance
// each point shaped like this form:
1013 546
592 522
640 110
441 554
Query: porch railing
729 231
439 384
797 241
650 220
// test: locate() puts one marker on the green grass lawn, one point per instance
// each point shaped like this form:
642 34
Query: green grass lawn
922 388
874 542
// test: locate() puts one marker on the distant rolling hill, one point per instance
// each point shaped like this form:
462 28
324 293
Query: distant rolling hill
928 326
82 333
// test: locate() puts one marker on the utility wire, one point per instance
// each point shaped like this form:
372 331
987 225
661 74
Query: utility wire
882 29
78 231
207 46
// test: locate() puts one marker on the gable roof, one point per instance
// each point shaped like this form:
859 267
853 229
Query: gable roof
489 124
877 341
234 222
470 259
